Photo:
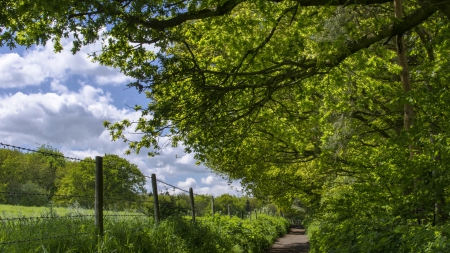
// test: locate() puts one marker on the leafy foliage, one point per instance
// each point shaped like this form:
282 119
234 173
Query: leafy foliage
337 106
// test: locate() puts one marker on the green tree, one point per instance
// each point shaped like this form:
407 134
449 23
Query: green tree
203 204
123 182
10 167
44 167
25 174
237 205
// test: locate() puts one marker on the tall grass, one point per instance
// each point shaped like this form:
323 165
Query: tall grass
130 233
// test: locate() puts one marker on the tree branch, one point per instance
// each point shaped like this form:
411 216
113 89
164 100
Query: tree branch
226 8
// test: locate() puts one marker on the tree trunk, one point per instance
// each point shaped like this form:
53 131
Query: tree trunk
404 75
408 110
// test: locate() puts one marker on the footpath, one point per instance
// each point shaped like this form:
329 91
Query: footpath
294 242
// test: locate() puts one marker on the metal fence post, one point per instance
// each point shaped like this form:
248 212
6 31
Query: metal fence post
155 198
98 205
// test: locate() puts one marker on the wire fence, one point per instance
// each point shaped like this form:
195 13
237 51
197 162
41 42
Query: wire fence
85 210
81 220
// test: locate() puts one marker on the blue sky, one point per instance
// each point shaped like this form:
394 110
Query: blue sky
62 99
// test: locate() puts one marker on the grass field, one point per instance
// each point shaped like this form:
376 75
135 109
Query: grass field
12 211
32 211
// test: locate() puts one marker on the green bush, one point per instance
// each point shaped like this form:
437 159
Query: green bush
28 194
382 236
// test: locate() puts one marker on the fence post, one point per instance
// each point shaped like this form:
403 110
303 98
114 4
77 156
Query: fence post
229 213
191 197
247 209
98 205
256 214
212 205
155 198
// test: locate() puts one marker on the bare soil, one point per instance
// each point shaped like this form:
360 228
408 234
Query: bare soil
294 242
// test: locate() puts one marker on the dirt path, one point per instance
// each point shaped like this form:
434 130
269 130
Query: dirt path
294 242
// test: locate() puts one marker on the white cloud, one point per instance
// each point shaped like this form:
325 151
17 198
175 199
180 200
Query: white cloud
15 71
220 188
190 182
208 180
185 159
57 87
73 118
41 63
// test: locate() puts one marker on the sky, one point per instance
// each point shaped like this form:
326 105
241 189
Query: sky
61 99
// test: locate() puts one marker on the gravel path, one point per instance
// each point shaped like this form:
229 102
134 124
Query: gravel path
294 242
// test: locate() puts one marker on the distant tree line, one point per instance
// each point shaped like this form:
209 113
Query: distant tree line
175 205
43 177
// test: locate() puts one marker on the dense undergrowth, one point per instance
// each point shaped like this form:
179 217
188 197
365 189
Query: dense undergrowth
214 234
382 236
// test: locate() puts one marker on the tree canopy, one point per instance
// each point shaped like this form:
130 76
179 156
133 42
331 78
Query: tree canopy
339 104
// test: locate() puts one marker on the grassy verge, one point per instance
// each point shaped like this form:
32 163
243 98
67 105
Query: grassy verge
75 232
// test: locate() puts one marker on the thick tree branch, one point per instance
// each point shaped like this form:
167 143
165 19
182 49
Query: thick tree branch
226 8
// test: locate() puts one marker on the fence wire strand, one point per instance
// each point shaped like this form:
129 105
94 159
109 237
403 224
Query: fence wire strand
125 215
42 152
172 186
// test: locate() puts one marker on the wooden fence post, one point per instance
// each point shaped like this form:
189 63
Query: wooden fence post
256 214
212 205
191 197
247 209
98 205
155 198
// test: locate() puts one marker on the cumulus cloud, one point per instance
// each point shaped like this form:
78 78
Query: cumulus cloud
41 63
73 117
190 182
15 71
57 87
186 159
220 188
208 180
